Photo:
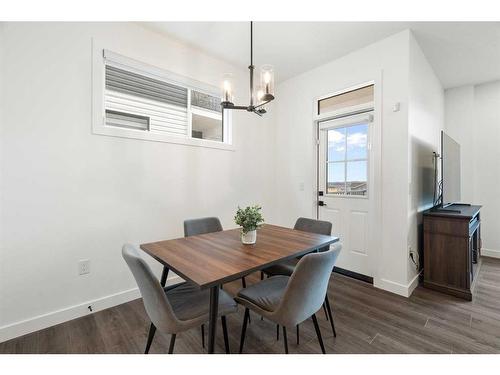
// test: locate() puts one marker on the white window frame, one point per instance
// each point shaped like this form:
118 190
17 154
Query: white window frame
347 122
365 107
99 126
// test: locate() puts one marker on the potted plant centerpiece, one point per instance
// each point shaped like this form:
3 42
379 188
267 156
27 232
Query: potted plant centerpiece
249 219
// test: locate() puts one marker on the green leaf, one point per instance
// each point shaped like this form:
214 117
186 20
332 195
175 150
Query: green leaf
249 218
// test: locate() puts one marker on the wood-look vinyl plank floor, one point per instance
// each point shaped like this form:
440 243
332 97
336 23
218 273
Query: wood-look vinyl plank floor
367 320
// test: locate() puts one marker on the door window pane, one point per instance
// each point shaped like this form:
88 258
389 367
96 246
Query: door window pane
356 181
347 160
336 144
357 140
335 177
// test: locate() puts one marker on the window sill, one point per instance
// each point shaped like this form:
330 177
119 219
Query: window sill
156 137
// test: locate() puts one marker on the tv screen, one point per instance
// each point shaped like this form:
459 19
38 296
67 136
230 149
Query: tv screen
450 169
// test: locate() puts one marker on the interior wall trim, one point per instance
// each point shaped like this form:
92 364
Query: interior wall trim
490 253
53 318
404 290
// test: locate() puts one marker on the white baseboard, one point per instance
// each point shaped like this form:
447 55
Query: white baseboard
413 284
490 253
69 313
404 290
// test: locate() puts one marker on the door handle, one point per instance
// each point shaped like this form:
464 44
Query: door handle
321 203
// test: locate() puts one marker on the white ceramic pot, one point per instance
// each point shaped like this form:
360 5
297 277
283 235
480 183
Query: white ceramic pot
249 238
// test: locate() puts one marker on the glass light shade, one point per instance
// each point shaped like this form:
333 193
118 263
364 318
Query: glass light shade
267 82
258 95
227 88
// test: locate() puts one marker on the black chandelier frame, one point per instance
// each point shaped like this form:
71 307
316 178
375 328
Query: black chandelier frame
266 98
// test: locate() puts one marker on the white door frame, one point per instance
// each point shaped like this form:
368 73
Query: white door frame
375 208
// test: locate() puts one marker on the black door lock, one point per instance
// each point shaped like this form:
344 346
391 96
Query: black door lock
321 203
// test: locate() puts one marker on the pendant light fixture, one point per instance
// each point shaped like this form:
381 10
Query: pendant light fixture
259 96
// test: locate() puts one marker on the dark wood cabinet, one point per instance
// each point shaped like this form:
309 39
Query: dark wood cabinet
452 243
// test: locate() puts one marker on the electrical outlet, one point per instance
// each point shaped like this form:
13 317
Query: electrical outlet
414 257
84 266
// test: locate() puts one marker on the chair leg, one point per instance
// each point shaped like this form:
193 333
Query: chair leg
324 310
285 340
244 329
277 332
261 275
224 332
172 343
298 334
152 331
203 336
318 333
244 284
327 303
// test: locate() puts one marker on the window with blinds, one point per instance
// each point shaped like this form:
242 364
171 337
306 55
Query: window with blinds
144 102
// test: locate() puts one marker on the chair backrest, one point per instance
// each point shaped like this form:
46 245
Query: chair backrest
307 287
314 226
155 301
201 226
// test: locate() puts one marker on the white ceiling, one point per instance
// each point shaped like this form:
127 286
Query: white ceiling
460 52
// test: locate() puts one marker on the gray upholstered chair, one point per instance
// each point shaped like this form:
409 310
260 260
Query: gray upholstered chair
286 268
177 309
288 301
306 225
203 225
193 227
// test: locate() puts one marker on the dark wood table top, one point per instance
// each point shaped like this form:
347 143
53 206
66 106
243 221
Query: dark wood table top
215 258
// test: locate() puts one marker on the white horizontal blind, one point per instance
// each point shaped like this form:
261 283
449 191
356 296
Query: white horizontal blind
163 104
126 120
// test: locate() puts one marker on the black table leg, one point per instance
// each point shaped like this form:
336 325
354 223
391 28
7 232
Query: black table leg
164 276
212 325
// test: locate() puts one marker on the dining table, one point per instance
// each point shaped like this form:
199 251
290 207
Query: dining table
210 260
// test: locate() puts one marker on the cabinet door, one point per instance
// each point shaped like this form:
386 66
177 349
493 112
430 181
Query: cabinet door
447 261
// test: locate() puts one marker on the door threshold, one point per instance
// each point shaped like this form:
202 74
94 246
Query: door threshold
354 275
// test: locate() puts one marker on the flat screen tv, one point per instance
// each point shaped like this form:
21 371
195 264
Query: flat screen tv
450 170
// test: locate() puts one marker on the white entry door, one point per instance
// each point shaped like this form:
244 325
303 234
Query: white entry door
344 187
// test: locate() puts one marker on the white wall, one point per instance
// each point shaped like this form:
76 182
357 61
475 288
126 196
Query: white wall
459 124
473 120
67 194
387 62
426 120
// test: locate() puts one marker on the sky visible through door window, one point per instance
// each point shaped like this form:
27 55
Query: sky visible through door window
347 160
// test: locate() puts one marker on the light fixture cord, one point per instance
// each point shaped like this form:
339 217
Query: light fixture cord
251 42
251 64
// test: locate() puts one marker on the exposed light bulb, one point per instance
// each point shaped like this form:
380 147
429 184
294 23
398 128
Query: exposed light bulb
227 88
267 77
